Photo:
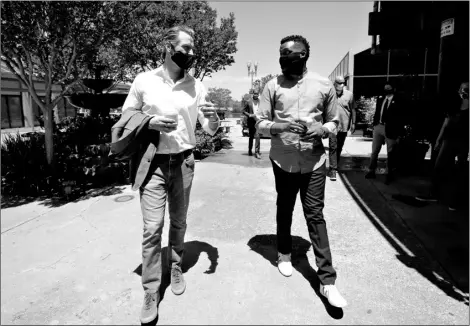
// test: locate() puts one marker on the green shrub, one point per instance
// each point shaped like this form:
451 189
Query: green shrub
365 110
81 147
207 144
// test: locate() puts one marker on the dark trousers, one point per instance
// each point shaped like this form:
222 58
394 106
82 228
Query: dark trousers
254 134
336 146
312 195
445 164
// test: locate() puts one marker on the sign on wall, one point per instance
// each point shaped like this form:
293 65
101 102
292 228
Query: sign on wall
447 27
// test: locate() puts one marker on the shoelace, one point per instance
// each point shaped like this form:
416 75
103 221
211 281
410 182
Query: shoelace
148 299
176 275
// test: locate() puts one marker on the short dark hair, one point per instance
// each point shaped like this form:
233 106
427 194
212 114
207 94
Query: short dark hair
389 84
299 39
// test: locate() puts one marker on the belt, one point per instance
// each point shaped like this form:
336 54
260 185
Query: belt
174 157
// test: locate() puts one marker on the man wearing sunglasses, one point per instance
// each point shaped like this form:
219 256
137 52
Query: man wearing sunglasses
347 122
175 101
299 108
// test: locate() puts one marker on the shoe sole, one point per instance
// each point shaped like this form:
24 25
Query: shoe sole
283 273
332 179
179 293
148 320
337 306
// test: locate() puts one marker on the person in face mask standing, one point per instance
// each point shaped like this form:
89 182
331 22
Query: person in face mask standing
299 108
388 127
175 100
347 122
250 110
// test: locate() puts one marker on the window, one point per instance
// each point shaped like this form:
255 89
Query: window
12 112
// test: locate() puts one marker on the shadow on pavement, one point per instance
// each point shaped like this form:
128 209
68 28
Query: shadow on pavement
192 251
238 157
9 202
395 231
265 245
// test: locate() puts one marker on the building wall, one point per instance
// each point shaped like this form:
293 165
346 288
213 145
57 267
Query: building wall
19 111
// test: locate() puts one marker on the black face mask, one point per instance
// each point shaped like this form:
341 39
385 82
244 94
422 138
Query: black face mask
184 61
292 64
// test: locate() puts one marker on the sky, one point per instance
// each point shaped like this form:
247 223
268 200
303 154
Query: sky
331 28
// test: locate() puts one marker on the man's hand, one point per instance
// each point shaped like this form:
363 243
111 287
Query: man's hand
353 128
291 126
318 132
162 124
209 111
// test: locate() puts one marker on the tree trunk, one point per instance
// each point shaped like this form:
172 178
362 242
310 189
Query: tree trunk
49 141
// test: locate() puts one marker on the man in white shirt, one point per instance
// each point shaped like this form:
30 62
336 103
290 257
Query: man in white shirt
175 100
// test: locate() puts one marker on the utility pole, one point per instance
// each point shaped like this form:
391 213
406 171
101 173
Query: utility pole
252 71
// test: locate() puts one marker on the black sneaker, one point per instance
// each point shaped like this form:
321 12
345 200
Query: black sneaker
250 153
332 175
149 308
370 175
178 285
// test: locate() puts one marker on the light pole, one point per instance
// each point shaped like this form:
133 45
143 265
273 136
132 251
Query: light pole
252 71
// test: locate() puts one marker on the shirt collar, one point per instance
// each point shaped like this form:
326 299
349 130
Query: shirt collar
163 74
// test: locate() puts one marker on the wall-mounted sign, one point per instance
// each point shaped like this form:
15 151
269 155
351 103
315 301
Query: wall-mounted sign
447 27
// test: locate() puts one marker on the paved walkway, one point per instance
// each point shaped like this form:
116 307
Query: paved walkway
79 263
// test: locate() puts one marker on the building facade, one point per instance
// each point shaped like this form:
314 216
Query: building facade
19 112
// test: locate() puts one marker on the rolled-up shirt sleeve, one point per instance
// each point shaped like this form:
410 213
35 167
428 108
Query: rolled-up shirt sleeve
134 98
331 115
210 127
264 115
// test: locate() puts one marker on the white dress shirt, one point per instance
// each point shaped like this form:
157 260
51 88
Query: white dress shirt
155 93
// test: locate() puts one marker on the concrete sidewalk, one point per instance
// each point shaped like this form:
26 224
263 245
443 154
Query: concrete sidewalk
79 263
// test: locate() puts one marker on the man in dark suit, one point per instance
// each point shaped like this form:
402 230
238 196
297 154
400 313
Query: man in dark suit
249 111
388 126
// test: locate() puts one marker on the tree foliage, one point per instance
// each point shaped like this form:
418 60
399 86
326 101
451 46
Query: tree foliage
142 49
57 42
220 97
61 43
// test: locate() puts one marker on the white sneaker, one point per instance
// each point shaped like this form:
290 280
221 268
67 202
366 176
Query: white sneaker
332 294
284 264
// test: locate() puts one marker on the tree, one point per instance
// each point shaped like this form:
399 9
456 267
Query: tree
142 48
57 42
63 42
220 97
237 106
